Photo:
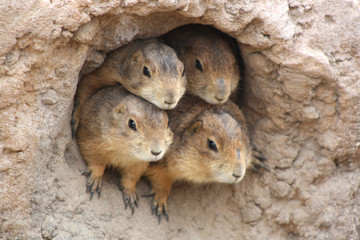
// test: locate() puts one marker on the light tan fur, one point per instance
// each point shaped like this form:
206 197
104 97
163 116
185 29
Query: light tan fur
190 158
106 139
215 52
163 86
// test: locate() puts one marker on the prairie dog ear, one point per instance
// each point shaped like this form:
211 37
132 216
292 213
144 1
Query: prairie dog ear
137 55
160 40
195 127
184 50
120 108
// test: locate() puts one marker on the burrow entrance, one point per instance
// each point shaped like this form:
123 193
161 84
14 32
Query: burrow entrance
283 103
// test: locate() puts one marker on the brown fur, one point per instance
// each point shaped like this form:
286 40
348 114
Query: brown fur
190 158
164 87
106 139
216 53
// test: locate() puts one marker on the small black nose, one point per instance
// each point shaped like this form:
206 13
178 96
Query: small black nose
236 176
155 153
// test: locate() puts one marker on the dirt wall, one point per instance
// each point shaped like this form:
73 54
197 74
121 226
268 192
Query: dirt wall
301 96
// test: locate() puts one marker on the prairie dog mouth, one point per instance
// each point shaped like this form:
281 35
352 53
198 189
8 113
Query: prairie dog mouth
214 99
150 157
155 158
160 102
169 105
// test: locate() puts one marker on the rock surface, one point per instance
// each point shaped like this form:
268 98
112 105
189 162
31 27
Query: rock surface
301 96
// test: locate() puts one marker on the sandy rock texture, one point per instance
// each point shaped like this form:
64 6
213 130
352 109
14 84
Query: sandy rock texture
300 94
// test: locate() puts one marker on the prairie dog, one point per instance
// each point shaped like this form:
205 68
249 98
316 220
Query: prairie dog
146 68
121 130
210 61
210 145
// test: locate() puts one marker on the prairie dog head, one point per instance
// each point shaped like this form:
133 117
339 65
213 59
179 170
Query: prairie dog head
139 129
211 70
211 67
215 149
152 71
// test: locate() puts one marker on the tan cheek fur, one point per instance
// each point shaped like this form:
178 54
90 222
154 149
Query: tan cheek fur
188 166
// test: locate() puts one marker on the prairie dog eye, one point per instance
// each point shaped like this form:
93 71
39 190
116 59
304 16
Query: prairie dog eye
183 73
212 145
132 125
146 72
198 65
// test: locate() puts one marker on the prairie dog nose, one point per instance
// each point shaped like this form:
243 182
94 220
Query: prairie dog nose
155 153
170 98
156 148
237 172
236 175
220 89
219 99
